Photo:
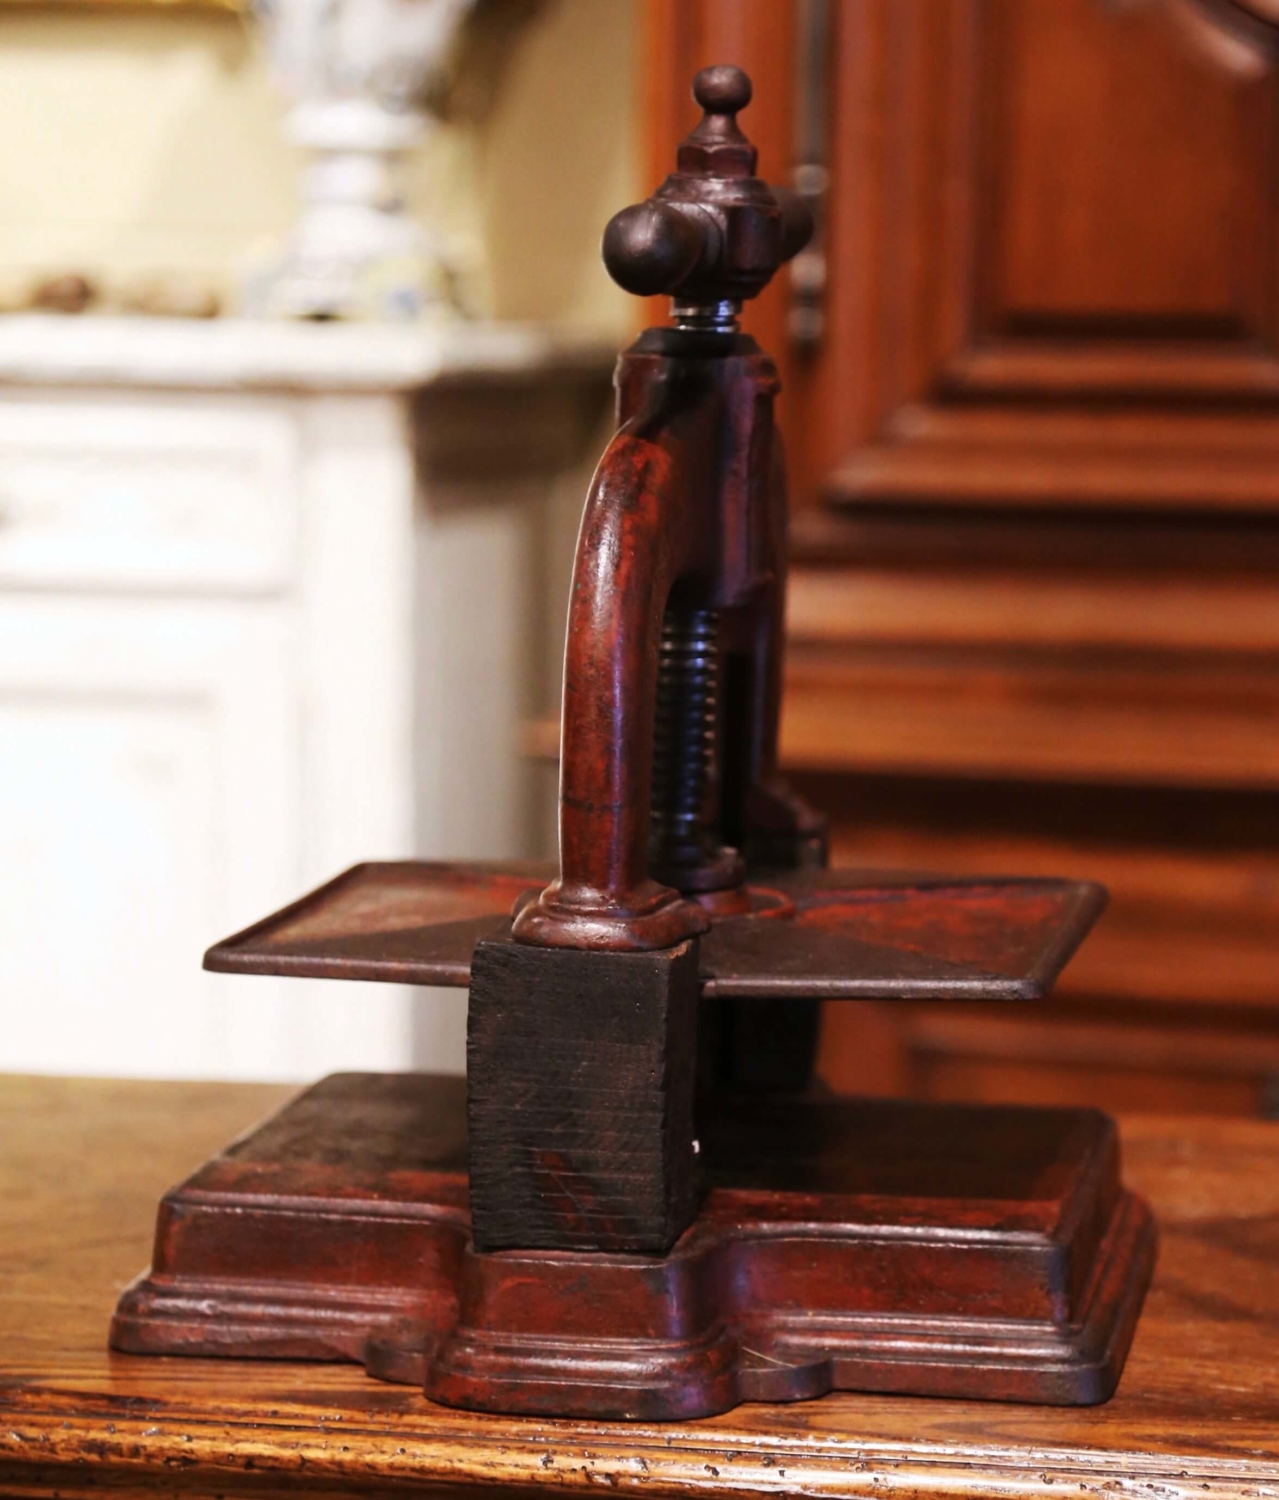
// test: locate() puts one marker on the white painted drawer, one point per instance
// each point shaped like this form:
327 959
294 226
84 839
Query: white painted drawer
147 492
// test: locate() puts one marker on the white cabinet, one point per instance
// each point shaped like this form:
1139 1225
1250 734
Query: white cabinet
148 796
252 630
174 493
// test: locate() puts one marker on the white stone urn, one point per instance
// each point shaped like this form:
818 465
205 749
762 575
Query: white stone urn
356 71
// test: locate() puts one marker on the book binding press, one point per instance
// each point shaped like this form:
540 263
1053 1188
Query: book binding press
638 1204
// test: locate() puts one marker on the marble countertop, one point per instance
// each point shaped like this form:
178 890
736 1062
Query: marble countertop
237 354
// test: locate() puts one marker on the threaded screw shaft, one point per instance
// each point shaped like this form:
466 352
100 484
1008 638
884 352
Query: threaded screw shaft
684 741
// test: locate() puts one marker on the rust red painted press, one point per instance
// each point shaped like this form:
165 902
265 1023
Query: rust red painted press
892 1247
636 1205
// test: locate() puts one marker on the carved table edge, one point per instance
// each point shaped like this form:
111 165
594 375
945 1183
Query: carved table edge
63 1454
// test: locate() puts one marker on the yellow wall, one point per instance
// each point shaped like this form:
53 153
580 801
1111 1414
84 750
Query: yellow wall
560 158
139 142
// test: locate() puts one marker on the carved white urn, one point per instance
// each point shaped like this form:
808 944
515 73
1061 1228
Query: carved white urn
356 71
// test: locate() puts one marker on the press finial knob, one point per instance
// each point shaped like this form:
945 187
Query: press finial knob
713 232
722 90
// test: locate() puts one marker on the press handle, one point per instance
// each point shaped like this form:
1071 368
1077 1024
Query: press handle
713 231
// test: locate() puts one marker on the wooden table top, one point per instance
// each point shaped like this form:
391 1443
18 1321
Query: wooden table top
82 1164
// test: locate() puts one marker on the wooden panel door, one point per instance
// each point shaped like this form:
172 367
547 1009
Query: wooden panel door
1052 265
1065 257
1034 615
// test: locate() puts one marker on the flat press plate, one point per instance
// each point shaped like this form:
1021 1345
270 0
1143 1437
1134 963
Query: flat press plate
838 934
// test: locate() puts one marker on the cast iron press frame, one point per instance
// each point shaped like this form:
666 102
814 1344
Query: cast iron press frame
637 1205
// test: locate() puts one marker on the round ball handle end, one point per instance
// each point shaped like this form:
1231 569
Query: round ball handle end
652 247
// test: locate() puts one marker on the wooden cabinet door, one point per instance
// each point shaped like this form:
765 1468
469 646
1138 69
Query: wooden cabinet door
1052 267
1034 612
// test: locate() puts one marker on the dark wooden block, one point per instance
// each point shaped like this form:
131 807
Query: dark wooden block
580 1069
874 1245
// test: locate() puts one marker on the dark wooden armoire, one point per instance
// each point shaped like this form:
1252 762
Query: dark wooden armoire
1032 402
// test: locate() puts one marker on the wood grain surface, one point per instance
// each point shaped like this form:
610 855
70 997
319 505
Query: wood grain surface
580 1075
82 1164
1034 497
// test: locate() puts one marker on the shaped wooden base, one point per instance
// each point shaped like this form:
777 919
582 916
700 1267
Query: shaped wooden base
981 1252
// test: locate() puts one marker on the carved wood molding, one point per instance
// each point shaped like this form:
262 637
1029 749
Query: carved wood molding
1061 204
1067 205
